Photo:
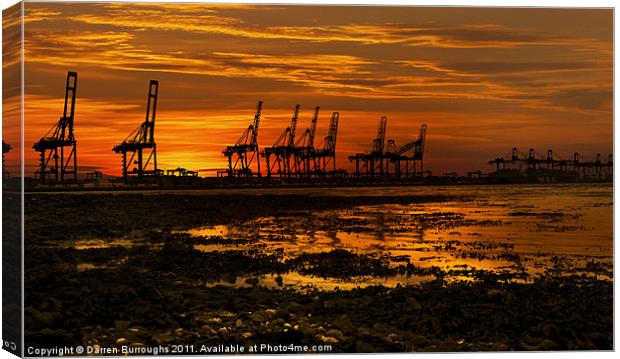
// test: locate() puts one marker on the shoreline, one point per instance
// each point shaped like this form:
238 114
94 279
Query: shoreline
181 189
128 275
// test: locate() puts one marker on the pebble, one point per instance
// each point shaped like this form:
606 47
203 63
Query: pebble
214 320
334 333
391 338
419 340
260 316
329 339
547 344
413 304
344 323
363 347
121 341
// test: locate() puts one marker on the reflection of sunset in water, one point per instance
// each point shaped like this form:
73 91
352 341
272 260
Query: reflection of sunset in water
499 229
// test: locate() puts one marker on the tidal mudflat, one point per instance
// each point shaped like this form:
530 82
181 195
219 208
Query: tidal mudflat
361 269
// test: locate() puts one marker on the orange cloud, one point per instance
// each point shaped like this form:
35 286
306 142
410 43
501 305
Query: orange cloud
482 84
208 19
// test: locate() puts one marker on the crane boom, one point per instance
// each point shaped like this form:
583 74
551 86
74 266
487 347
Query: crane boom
259 110
379 142
315 119
151 109
293 127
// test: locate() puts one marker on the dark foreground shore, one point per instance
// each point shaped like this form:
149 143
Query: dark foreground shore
158 293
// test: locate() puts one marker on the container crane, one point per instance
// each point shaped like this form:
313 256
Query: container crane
58 147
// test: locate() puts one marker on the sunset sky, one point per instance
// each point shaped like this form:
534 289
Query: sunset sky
484 80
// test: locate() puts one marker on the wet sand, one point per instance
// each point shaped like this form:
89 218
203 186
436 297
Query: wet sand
371 271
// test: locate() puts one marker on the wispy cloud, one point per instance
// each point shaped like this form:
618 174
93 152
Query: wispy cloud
326 74
39 14
489 78
201 18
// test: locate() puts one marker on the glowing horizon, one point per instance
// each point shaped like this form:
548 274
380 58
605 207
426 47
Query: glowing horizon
483 79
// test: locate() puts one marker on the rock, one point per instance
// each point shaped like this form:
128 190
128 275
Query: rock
239 323
306 330
547 344
224 314
380 327
121 324
294 307
362 332
448 345
334 333
162 338
281 313
214 320
392 338
229 278
344 323
598 339
222 331
246 335
331 340
363 347
496 292
44 319
413 304
500 347
121 341
51 305
419 341
261 316
252 281
550 330
278 322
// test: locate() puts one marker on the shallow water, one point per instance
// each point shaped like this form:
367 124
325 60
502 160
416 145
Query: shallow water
297 280
515 229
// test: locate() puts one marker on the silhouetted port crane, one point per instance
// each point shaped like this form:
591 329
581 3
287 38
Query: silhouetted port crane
181 172
327 153
140 140
551 166
5 149
373 161
411 154
283 150
304 148
517 160
598 167
245 150
52 145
